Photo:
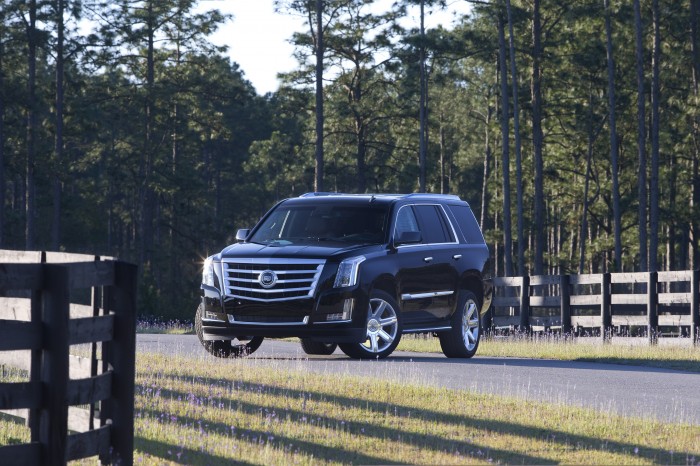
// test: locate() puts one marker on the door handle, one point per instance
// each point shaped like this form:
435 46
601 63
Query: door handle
457 257
427 259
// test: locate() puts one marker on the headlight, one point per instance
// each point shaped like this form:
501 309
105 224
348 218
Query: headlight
348 271
208 272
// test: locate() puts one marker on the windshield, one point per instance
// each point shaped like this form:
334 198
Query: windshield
336 223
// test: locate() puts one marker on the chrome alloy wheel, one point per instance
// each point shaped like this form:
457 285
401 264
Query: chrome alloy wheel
382 326
470 325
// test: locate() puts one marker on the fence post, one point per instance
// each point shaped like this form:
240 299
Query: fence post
123 354
605 308
653 308
524 325
565 298
53 427
695 306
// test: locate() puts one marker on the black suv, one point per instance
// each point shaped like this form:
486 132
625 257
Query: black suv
355 271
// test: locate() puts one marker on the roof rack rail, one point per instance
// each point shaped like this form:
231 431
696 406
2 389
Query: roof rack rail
316 194
442 196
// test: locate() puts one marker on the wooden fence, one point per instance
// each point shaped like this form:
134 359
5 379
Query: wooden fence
75 406
608 302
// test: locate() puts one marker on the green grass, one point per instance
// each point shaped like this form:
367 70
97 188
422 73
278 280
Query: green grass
669 354
202 410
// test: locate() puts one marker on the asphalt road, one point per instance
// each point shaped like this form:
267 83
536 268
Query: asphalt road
628 390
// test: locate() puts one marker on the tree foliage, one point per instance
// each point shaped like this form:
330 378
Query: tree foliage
158 148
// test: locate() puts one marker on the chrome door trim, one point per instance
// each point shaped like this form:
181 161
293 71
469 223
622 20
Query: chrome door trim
431 294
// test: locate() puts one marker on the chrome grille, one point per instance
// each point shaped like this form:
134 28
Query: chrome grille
294 278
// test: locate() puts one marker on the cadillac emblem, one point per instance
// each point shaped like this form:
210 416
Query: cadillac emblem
267 278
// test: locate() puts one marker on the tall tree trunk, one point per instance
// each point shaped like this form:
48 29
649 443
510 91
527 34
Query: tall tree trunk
507 234
537 138
654 187
58 142
617 215
586 185
518 145
422 149
641 140
444 181
2 134
146 196
695 197
318 175
487 164
30 189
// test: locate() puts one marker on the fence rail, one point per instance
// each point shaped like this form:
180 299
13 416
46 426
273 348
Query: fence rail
605 301
75 406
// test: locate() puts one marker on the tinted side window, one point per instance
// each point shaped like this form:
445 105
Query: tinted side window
433 224
406 221
467 223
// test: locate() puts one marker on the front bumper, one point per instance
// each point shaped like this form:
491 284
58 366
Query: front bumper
319 319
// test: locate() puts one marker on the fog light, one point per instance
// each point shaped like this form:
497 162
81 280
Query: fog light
348 306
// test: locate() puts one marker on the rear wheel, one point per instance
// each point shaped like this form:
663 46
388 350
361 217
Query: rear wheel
462 340
317 347
384 328
238 347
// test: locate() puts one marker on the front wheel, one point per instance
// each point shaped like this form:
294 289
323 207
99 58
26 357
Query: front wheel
384 328
462 340
317 347
241 346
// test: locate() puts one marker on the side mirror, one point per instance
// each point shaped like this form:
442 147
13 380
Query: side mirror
408 237
242 234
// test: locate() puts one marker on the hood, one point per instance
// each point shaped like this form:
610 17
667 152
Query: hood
297 251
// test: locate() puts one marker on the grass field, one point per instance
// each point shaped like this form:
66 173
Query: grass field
201 410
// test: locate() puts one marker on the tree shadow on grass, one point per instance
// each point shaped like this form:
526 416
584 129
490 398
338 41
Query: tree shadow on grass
423 441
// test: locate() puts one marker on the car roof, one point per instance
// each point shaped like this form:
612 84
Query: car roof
382 198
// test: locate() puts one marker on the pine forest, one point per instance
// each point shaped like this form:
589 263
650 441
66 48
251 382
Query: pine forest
571 127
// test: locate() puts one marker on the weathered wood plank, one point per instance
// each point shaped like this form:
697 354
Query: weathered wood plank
671 320
20 395
66 257
640 321
81 368
19 257
676 276
586 279
23 454
585 300
545 301
505 321
674 298
89 390
90 329
89 274
585 321
20 276
15 308
507 281
79 419
629 277
87 444
629 299
505 302
18 335
539 280
545 321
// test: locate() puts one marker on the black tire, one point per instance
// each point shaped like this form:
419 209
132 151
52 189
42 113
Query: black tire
384 327
241 346
317 347
462 340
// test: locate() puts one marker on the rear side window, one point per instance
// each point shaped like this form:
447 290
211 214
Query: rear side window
433 224
467 223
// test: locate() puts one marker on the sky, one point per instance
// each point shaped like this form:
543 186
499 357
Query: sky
258 38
